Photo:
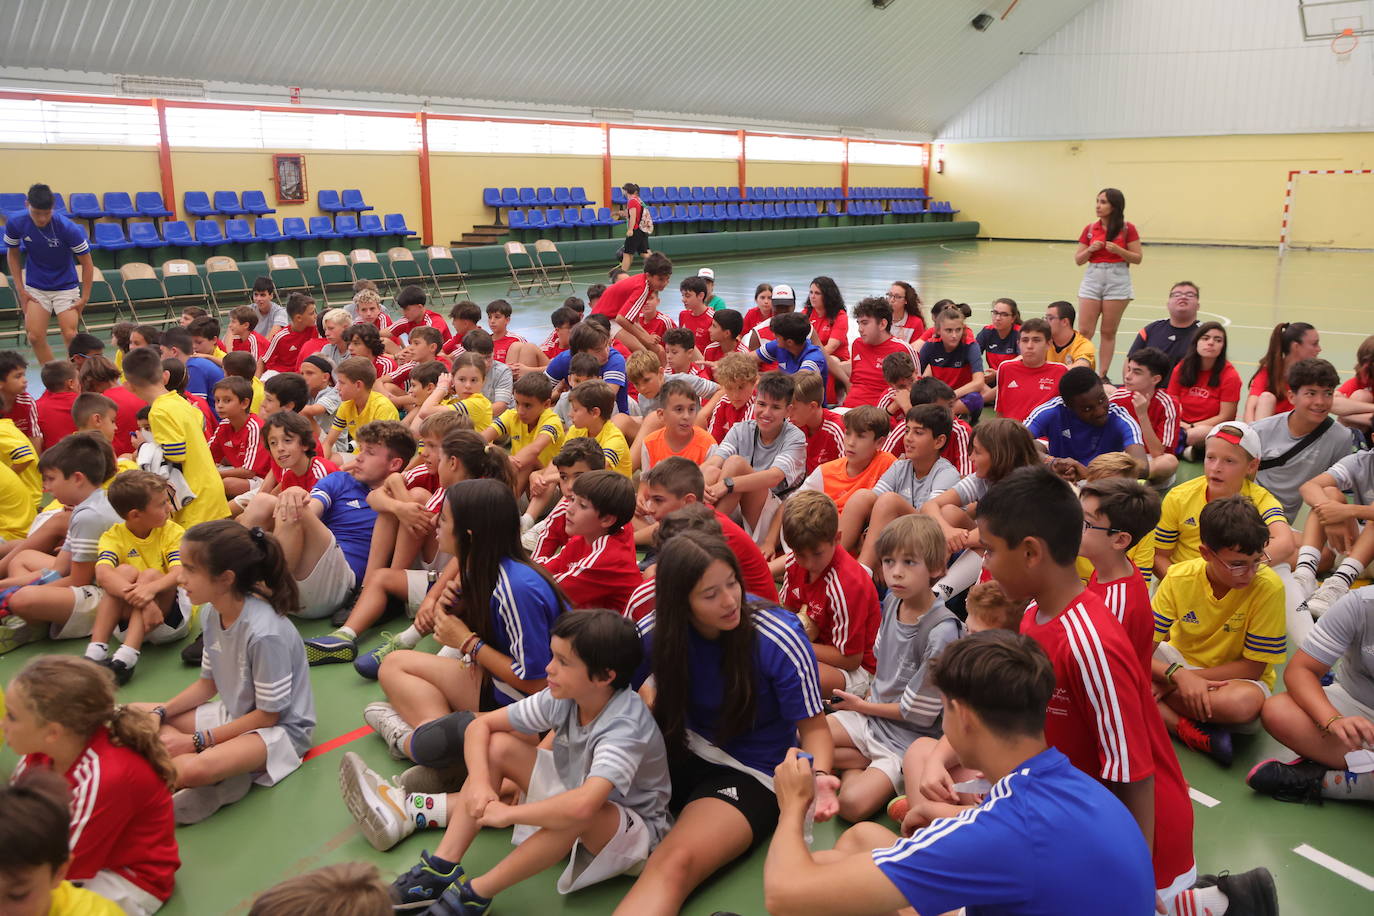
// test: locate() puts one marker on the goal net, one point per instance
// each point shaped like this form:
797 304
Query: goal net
1328 208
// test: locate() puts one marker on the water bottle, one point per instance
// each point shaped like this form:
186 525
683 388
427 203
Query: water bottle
811 809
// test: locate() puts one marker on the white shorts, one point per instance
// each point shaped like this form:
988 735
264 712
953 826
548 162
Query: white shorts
56 301
282 758
1106 281
857 681
417 586
44 517
85 600
625 854
326 588
1345 704
881 757
122 892
1169 655
759 532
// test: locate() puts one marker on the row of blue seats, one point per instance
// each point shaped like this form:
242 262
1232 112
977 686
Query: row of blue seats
535 197
759 194
226 203
573 216
87 206
208 233
902 206
888 194
119 205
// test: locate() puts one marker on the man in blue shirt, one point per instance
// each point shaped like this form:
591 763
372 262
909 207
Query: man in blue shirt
45 278
1081 424
792 348
1049 839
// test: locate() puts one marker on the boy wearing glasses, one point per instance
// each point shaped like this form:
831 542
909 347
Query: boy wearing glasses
1117 513
1219 631
1174 334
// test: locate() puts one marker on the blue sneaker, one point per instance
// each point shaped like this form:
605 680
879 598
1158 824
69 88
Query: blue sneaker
332 649
369 663
419 888
460 900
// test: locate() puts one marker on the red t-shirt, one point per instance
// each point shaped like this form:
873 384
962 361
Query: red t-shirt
1352 385
55 415
1103 717
241 448
911 329
866 382
726 414
427 320
699 325
624 297
1259 384
384 365
758 580
318 469
599 573
657 326
1163 414
121 816
1202 400
254 344
634 209
715 353
752 318
842 602
825 442
555 534
500 347
1129 601
211 421
828 329
1021 389
127 406
642 600
24 413
550 346
421 477
1096 232
284 349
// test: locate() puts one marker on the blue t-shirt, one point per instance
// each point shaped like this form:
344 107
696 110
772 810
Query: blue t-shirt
1049 840
968 355
201 376
347 514
811 357
523 608
612 373
787 687
1069 437
49 264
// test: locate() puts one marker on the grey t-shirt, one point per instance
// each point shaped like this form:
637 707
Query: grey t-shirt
329 399
971 488
259 663
1346 633
704 388
787 452
1355 475
905 652
91 518
901 479
1283 481
621 745
275 318
500 383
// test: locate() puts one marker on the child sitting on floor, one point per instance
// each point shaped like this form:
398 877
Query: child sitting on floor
598 567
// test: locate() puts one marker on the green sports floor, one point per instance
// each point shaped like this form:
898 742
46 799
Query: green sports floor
302 824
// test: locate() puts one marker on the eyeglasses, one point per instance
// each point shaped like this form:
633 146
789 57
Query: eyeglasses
1089 526
997 314
895 296
1245 566
1182 295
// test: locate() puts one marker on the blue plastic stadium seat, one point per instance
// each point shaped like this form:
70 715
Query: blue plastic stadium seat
534 219
491 197
144 235
510 197
58 204
208 233
255 202
293 227
110 237
329 201
227 202
572 217
13 203
832 209
517 219
176 232
371 224
618 197
197 203
527 198
118 204
353 201
589 217
346 224
544 196
149 203
85 206
553 219
395 224
267 230
322 228
562 197
732 211
238 232
579 196
604 218
680 214
732 194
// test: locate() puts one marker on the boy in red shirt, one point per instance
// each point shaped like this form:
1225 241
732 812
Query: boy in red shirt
824 429
899 372
411 300
577 457
957 450
238 446
696 315
242 320
654 322
54 406
284 349
1030 380
624 300
464 316
867 384
498 319
425 344
727 326
1117 513
736 374
832 594
598 567
15 402
1155 410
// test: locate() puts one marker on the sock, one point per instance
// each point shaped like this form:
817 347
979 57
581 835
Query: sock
449 652
346 632
441 865
98 651
1308 558
428 810
127 655
409 638
465 889
1347 572
1346 786
962 574
1200 901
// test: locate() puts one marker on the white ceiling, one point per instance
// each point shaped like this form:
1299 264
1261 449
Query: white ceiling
826 64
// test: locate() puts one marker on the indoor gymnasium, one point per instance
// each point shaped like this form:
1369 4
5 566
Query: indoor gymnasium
784 456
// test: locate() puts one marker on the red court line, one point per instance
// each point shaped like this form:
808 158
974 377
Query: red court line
336 743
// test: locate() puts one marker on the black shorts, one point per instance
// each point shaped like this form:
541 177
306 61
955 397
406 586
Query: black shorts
695 778
637 242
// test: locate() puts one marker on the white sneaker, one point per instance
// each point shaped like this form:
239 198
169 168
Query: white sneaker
387 723
1304 582
193 805
378 807
1332 590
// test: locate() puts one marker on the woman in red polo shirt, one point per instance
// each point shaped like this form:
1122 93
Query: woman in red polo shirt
826 312
636 239
1108 245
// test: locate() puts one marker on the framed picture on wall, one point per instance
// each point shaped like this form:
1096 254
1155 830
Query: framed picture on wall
288 174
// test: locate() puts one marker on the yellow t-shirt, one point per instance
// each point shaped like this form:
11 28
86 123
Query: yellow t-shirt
17 508
255 405
17 453
613 445
1178 518
70 900
160 550
476 406
1078 348
1245 623
179 428
119 362
1142 555
378 407
508 424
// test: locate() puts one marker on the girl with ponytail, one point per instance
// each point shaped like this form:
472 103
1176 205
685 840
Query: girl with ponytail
62 717
1289 342
262 722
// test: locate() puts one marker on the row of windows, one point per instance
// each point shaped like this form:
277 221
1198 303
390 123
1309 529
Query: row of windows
45 122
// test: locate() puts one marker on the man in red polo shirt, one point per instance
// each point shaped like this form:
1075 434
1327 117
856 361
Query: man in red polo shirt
873 316
1029 380
624 300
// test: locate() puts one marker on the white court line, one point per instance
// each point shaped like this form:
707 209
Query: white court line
1348 872
1202 798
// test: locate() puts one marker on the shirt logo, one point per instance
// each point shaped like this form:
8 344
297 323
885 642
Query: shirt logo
1190 521
353 504
133 554
1012 384
1067 434
1190 617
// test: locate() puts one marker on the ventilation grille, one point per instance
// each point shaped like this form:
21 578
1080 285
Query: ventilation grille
159 87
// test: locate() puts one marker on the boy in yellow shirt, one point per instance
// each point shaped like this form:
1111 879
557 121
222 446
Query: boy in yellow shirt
592 403
18 454
360 405
1219 631
534 430
137 565
178 428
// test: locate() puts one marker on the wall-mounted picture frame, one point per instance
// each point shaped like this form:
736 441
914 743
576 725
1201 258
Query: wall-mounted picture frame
288 174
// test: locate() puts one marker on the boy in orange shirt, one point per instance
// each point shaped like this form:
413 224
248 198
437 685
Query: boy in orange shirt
678 433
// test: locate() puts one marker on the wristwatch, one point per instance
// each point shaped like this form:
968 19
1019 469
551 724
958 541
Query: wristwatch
729 484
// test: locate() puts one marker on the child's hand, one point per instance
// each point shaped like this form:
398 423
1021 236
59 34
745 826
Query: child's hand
497 814
476 799
451 631
1195 692
1069 469
152 615
827 797
448 597
178 744
539 485
1113 247
955 539
415 517
424 617
445 382
1333 513
842 700
936 783
1355 731
715 492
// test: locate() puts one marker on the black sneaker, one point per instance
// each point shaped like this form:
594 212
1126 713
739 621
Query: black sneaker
1250 893
422 886
191 655
1298 781
123 673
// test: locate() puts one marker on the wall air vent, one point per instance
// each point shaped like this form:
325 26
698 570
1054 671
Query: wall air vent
159 87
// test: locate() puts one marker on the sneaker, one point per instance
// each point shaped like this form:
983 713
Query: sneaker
1332 590
1250 893
191 806
16 632
123 673
378 807
332 649
1304 582
433 780
420 887
897 808
460 900
370 663
191 655
387 723
1212 740
1298 780
340 617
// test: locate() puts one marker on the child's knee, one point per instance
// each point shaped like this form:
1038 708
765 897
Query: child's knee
736 464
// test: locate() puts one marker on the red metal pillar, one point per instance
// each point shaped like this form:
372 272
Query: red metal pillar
164 158
844 169
605 164
742 167
426 201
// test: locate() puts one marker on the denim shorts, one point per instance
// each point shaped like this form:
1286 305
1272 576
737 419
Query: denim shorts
1111 280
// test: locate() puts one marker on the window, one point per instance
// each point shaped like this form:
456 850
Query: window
215 127
673 144
515 138
886 154
34 121
793 149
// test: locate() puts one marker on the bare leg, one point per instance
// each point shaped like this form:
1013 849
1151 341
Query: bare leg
862 792
304 543
258 512
36 320
855 517
886 508
1112 310
68 323
378 585
1294 729
422 687
1088 312
708 835
244 754
235 486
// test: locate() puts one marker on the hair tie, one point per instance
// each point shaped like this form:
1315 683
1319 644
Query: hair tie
258 535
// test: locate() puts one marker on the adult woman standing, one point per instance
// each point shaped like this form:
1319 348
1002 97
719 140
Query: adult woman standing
636 238
1108 245
908 319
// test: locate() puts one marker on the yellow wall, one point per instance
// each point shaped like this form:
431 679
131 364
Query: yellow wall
1218 190
81 169
792 174
457 180
883 176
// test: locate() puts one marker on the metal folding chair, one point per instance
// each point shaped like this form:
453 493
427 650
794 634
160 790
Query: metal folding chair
551 262
525 278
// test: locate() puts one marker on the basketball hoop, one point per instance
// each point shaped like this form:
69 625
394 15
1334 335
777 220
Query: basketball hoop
1344 43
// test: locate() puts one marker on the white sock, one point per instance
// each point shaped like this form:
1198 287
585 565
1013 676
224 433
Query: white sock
127 655
1200 901
1347 572
450 652
410 637
347 631
1309 557
427 810
1346 786
961 575
98 651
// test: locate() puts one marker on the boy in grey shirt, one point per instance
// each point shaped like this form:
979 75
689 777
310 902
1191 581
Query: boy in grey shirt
1312 384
